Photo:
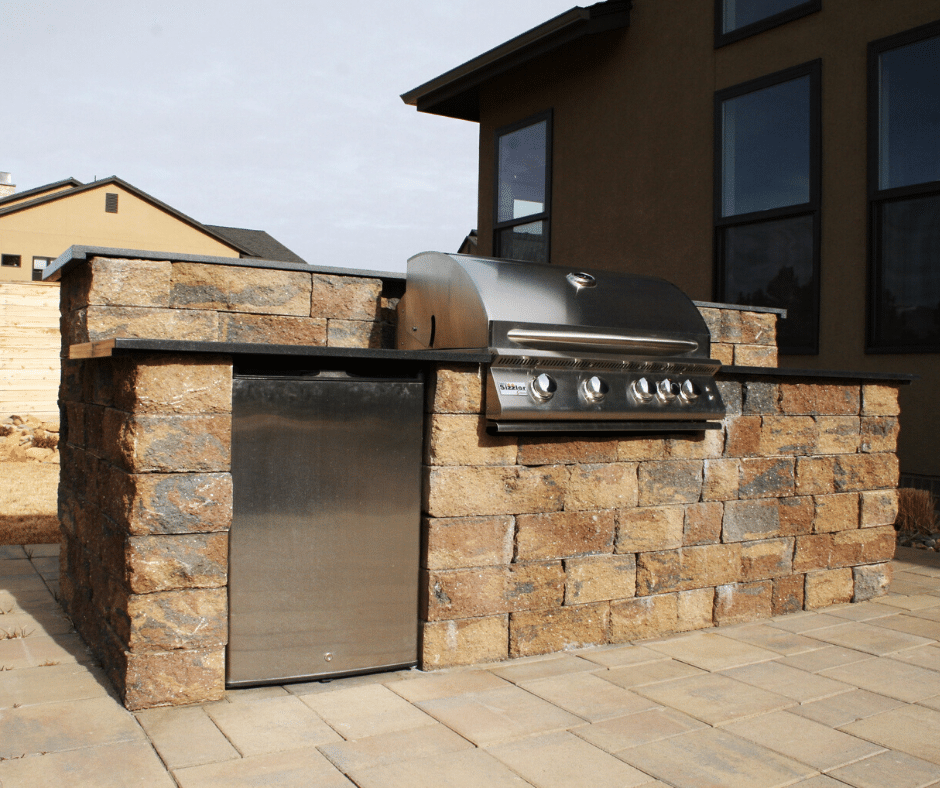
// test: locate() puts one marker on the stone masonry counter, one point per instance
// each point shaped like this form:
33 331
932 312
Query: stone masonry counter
531 544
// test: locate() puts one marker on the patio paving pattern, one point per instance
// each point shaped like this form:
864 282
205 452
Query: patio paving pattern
848 696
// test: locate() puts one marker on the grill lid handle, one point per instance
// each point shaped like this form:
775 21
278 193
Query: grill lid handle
580 340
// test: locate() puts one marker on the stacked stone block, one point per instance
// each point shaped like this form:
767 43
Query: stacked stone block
539 544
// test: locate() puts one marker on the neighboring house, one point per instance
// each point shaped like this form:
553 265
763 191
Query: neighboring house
781 153
38 225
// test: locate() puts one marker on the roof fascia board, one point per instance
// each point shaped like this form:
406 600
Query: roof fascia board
562 29
37 190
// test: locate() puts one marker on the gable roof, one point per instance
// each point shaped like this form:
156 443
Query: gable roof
259 243
456 94
39 190
6 208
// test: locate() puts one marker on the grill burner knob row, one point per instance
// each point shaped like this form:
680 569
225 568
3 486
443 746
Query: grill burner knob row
642 390
543 387
594 389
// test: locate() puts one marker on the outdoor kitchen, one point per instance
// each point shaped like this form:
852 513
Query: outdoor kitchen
588 474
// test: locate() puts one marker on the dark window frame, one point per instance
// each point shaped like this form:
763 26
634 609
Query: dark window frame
877 197
544 216
49 261
813 70
775 20
10 257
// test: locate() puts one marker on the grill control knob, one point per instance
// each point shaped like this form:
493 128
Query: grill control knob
543 387
689 391
594 389
642 390
666 390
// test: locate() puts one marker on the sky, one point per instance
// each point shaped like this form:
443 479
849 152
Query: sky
278 116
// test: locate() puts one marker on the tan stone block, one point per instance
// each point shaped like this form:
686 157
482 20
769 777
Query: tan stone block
638 447
871 581
708 444
787 594
788 435
723 353
196 619
456 389
271 329
796 515
565 450
643 617
169 561
813 551
546 631
879 434
673 481
695 609
461 542
747 520
880 400
878 507
766 559
687 568
828 587
173 678
702 523
234 288
744 437
761 398
766 478
721 480
749 328
457 491
541 537
837 434
815 475
446 644
465 593
604 486
863 546
173 384
731 326
95 323
461 439
599 579
755 356
736 603
812 398
355 333
712 318
120 282
865 471
534 586
345 297
836 512
168 444
649 528
171 503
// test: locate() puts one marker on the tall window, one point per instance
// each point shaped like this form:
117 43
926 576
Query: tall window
40 264
767 200
523 186
736 19
904 192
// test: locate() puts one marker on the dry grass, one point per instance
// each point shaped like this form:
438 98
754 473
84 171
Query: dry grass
916 511
28 507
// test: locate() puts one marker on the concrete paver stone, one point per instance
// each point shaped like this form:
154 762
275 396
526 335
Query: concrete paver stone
712 652
366 711
446 685
300 768
870 639
542 667
890 677
914 730
465 769
632 730
772 638
846 707
889 770
588 696
665 669
790 682
185 736
52 684
386 748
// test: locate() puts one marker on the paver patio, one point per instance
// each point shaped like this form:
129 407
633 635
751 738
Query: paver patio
849 696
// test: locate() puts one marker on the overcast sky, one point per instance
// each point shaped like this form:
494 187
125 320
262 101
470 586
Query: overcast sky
280 116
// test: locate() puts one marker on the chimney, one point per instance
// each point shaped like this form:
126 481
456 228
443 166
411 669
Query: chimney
7 187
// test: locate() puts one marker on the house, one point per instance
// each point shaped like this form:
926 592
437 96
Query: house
781 153
37 225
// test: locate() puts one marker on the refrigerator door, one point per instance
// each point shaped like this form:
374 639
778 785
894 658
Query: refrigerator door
325 542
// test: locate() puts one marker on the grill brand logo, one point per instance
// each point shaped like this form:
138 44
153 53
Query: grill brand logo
513 389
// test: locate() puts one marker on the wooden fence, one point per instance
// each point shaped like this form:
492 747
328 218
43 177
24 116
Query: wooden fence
29 350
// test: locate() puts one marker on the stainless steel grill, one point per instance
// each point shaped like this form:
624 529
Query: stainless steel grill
573 350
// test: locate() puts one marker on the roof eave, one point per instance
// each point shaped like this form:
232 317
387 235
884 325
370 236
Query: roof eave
455 94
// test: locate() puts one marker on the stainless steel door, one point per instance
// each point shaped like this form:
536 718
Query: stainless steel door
323 554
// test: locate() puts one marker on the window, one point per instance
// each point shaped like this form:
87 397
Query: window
11 260
767 200
39 265
904 192
523 186
110 203
737 19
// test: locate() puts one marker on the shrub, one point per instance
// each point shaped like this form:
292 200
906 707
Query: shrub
916 511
